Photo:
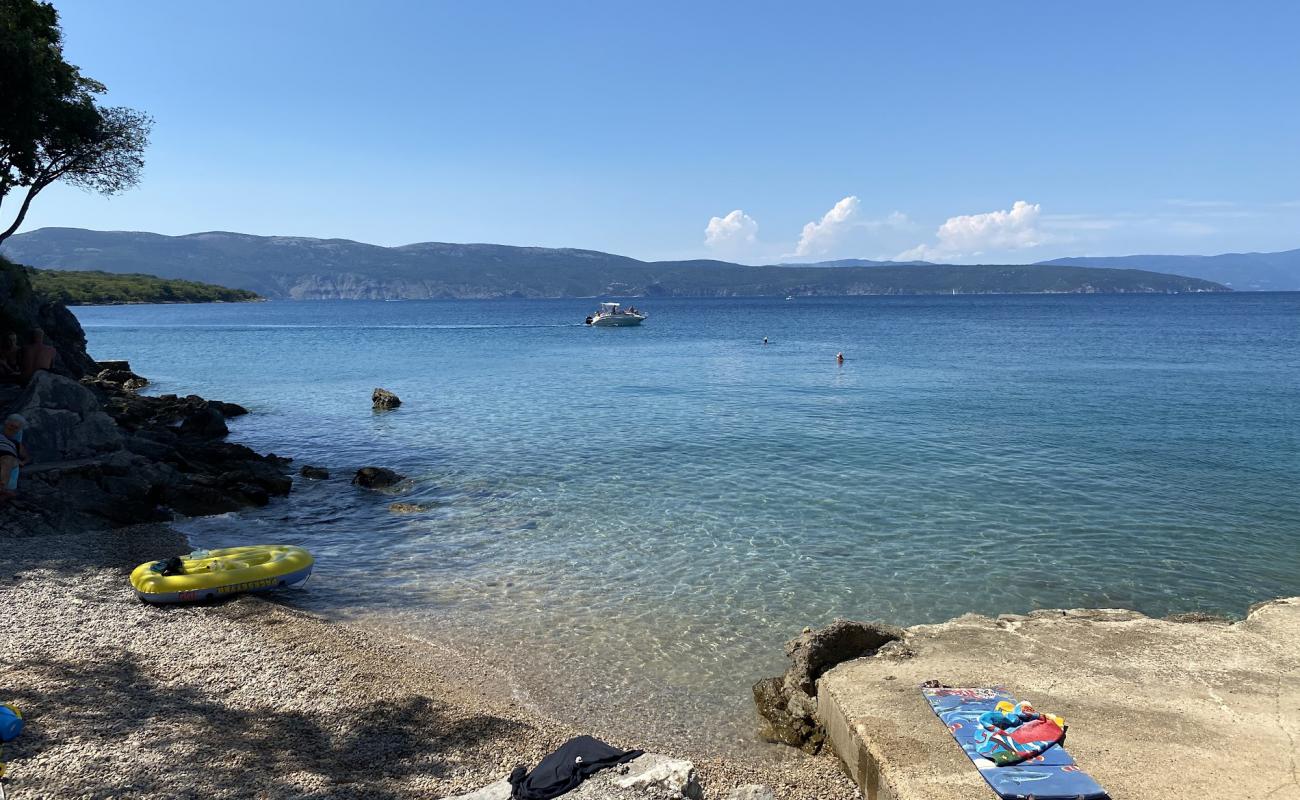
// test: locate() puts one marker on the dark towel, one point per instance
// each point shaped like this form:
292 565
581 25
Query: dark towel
575 761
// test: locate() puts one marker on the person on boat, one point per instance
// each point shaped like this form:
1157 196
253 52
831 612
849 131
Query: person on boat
13 455
37 355
10 359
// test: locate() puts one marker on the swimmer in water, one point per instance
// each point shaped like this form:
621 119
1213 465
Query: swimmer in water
764 340
839 358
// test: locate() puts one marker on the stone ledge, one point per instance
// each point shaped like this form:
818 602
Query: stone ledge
1156 708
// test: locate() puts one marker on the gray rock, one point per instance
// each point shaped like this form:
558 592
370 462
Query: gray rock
495 791
384 400
752 791
649 777
229 410
815 651
65 421
779 723
786 705
377 478
662 776
208 422
316 473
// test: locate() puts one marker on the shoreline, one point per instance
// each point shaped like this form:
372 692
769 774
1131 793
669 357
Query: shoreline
247 697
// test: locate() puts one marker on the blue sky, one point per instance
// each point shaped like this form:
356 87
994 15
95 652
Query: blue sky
1008 131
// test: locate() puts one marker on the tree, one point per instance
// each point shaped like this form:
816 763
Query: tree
52 126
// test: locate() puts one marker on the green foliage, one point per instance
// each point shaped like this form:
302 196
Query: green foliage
103 288
52 126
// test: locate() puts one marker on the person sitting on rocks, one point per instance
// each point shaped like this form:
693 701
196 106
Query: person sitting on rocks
11 369
13 455
37 355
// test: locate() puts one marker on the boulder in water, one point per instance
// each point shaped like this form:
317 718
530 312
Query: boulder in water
377 478
384 400
317 473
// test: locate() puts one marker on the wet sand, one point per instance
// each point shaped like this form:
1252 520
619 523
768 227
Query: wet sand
250 699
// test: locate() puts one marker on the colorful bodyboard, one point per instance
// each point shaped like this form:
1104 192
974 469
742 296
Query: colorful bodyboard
1049 775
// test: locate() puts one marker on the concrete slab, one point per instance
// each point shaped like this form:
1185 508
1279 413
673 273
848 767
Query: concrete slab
1220 702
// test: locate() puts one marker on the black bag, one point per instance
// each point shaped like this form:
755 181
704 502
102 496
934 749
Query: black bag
561 771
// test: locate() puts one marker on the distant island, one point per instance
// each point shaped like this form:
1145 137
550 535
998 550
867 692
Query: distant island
76 288
298 268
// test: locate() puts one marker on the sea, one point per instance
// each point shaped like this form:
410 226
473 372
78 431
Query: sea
632 521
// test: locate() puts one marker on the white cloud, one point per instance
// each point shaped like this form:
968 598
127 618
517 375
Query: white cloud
733 234
819 237
975 234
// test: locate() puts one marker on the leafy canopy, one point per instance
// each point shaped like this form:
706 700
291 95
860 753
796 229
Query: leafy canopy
52 126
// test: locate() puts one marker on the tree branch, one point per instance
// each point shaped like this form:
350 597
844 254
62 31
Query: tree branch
32 191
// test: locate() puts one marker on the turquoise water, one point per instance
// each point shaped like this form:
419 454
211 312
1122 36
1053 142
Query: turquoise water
638 518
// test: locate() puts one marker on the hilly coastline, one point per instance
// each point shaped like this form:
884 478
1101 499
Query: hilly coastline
299 268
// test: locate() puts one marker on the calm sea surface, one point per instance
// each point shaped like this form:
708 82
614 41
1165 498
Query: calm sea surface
634 520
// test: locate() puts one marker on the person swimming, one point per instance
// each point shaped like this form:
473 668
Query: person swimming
839 358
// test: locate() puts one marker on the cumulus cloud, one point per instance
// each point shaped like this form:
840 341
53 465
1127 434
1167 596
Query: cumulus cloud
819 237
735 233
975 234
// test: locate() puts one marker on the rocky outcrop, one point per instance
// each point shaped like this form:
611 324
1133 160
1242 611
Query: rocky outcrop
66 421
787 705
117 374
384 400
21 309
377 478
315 473
104 456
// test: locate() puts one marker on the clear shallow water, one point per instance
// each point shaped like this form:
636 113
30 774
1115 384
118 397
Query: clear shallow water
638 518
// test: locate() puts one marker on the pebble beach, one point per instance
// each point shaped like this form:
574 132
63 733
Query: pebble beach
250 699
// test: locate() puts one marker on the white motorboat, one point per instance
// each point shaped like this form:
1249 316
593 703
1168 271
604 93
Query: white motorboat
614 315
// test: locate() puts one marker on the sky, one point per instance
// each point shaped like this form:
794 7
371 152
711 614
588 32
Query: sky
758 132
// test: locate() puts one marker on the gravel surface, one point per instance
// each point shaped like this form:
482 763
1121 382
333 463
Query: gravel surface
248 699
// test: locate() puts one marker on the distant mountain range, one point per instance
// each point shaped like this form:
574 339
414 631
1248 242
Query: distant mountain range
304 268
1259 272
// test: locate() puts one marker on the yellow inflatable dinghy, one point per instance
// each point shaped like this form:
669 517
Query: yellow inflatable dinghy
205 574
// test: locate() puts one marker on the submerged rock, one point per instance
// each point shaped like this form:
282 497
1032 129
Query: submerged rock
377 478
384 400
410 508
317 473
